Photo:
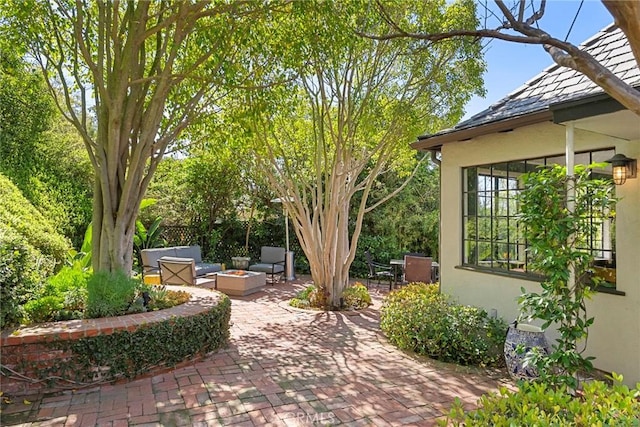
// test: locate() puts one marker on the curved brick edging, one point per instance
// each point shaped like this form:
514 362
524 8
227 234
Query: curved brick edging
28 344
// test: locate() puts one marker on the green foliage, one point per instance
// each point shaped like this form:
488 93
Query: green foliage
126 354
43 309
301 299
356 297
556 237
39 151
81 260
110 294
304 294
161 298
299 303
29 252
146 238
20 215
538 404
419 318
63 297
21 267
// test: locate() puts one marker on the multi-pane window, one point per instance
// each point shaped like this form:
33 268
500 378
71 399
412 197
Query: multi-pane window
493 238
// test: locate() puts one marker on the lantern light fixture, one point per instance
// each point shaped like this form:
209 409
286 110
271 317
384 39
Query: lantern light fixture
623 168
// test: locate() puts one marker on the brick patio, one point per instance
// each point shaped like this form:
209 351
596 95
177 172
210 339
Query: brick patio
283 367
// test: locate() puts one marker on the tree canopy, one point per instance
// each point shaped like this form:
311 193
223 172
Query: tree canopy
521 24
131 76
349 114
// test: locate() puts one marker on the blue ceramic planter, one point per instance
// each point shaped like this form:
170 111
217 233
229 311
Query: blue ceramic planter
527 337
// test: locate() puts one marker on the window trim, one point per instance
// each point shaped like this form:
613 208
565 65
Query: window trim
493 241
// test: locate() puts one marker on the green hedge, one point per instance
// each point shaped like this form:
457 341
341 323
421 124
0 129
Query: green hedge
536 404
18 214
22 269
30 249
105 358
419 318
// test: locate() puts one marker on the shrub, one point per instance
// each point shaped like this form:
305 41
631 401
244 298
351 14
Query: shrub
17 213
299 303
43 309
110 294
20 275
420 319
304 294
161 298
536 403
356 297
63 297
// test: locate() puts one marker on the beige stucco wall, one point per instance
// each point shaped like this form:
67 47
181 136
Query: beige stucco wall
615 336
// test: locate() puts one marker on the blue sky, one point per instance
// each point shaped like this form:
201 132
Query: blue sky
509 65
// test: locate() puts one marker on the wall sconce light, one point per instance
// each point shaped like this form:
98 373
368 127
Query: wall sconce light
623 168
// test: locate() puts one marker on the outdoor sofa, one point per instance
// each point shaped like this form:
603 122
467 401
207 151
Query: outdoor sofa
184 254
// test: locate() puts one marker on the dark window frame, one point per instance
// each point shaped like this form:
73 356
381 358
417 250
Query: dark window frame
492 239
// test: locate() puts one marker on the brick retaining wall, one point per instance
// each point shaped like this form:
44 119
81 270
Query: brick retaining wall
20 347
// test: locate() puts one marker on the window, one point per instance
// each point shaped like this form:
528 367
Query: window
493 238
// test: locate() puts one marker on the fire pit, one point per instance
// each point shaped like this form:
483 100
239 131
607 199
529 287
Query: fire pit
240 282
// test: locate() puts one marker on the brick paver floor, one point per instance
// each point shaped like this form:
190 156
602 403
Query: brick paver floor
282 367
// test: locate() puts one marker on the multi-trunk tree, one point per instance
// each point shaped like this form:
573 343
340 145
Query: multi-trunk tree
131 76
348 116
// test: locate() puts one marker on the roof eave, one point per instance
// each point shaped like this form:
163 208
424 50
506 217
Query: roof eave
435 142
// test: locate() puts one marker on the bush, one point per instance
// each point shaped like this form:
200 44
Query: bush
20 275
356 297
43 309
535 403
110 294
419 318
17 213
161 298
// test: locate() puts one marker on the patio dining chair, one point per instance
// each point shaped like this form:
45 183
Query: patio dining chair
417 269
378 271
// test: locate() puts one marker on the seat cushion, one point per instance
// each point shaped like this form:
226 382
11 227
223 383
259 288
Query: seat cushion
203 268
267 268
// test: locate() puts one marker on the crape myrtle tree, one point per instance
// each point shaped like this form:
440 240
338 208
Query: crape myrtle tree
131 76
520 22
349 114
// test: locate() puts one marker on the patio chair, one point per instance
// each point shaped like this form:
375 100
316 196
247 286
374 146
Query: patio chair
177 271
272 261
378 271
417 269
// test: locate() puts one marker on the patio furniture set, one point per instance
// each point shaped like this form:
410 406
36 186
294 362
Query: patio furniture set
414 267
183 265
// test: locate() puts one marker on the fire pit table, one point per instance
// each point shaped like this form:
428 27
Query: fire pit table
240 282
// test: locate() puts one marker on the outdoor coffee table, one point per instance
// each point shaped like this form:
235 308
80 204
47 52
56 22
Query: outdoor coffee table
240 282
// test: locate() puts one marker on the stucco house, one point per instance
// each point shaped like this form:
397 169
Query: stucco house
558 114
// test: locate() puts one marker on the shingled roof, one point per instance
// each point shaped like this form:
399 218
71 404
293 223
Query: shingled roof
555 84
